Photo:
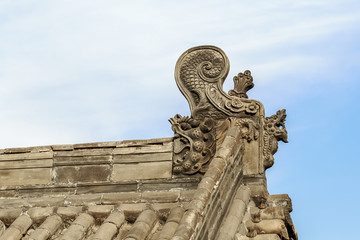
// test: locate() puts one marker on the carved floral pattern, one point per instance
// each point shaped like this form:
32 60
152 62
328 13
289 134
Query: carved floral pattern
274 131
243 82
252 108
194 144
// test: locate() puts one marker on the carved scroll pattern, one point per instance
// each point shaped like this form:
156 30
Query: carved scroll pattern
200 73
274 131
194 144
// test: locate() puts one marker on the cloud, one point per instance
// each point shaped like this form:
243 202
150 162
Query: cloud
99 70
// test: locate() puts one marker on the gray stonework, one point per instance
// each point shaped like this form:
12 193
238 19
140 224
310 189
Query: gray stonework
207 182
241 158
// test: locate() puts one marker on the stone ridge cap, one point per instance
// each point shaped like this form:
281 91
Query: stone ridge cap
229 148
69 147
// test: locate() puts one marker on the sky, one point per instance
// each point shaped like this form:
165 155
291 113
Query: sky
92 71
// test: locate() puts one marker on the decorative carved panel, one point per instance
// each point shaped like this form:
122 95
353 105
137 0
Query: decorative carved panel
243 82
194 144
200 73
249 129
274 131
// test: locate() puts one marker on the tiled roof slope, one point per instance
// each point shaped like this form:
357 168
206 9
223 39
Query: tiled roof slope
102 173
96 222
208 182
137 196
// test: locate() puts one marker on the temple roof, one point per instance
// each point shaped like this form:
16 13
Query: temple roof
206 182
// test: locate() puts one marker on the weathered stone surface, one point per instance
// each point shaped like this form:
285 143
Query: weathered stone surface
26 156
233 220
84 152
132 211
39 201
186 196
269 227
243 194
41 191
82 160
156 148
273 213
280 200
116 217
13 177
125 197
142 226
83 200
160 196
187 225
27 150
251 158
259 194
176 214
106 232
47 228
78 228
86 173
67 147
95 145
146 157
100 211
8 215
168 231
17 228
68 212
258 237
169 184
39 214
2 227
107 188
151 170
213 173
165 207
143 142
219 162
12 203
7 193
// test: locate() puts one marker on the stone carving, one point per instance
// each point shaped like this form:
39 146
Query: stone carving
249 129
194 144
200 73
274 131
243 82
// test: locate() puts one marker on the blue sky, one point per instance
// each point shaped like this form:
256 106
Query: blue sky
87 71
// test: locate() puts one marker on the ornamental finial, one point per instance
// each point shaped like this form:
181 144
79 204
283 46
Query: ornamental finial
243 82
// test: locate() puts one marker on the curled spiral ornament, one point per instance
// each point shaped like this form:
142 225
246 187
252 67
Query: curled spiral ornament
196 70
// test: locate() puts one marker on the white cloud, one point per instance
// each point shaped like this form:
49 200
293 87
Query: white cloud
69 67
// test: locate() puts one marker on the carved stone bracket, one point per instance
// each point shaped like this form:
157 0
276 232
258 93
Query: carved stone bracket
274 131
194 144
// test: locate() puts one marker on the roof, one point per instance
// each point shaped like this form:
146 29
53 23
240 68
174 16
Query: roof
206 182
